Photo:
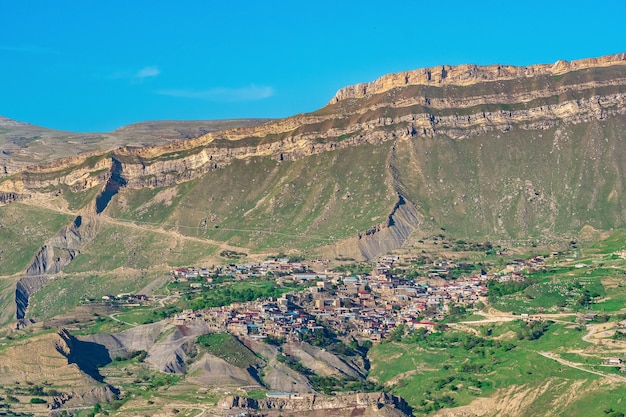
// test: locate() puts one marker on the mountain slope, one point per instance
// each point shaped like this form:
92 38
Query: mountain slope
494 152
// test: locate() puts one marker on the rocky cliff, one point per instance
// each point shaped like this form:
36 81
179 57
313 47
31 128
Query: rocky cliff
24 145
463 75
368 404
458 102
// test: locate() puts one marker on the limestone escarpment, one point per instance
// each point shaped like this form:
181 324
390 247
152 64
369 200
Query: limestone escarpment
9 197
23 145
73 174
470 74
494 115
458 102
403 122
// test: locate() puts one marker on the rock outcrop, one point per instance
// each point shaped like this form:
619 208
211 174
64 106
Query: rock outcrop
23 145
372 403
462 75
164 342
321 361
392 234
100 394
58 252
210 370
24 288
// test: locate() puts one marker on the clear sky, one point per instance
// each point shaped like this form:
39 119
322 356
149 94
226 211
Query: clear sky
97 65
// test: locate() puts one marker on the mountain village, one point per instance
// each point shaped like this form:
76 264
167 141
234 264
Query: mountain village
368 306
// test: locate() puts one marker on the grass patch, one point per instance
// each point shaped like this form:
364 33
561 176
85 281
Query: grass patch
64 293
564 289
451 369
23 231
229 348
242 291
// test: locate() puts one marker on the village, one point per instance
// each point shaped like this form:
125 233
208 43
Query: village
365 305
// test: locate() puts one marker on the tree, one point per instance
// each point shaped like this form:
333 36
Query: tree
36 400
398 333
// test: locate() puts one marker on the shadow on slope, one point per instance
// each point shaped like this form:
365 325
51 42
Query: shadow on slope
88 356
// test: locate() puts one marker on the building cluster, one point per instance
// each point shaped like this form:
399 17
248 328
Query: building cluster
365 305
276 266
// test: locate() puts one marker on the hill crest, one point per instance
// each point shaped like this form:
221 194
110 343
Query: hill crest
467 74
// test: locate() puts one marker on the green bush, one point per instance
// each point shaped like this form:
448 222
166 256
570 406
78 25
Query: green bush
36 400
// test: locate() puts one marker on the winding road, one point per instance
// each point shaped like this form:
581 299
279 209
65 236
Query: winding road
549 355
112 316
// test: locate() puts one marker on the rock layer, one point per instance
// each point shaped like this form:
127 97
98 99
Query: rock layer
459 102
373 402
471 74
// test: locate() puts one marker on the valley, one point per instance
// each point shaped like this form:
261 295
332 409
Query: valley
449 241
370 326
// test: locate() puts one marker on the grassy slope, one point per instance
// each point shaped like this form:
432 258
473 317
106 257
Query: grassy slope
229 348
118 260
419 372
525 185
116 246
262 203
522 184
23 230
63 294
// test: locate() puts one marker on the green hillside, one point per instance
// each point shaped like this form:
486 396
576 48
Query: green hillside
265 204
535 185
23 230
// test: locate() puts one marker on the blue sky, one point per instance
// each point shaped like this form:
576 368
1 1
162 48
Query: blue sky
95 66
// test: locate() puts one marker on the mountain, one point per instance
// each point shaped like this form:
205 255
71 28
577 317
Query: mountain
526 154
495 152
23 144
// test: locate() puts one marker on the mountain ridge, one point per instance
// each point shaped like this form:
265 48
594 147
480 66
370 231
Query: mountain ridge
465 74
335 127
575 109
447 178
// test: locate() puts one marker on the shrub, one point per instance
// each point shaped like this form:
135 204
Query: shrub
36 400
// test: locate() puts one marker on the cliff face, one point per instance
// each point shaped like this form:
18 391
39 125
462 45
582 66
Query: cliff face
369 403
471 74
